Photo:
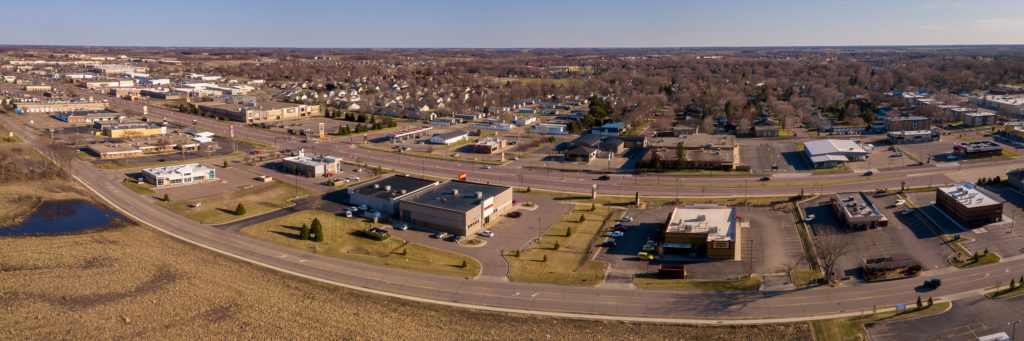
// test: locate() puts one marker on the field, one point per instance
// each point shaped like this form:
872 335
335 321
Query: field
135 283
5 139
220 208
27 179
342 240
571 262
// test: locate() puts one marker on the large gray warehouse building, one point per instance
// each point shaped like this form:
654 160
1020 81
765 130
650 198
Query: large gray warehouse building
384 194
456 207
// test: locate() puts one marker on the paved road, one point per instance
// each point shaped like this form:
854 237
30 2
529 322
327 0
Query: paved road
533 297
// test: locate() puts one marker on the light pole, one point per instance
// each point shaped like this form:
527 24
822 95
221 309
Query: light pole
1013 329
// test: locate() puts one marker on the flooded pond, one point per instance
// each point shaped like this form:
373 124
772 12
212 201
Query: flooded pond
55 217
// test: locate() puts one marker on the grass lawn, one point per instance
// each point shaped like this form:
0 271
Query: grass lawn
832 171
744 283
342 240
571 263
220 208
803 278
5 139
1006 155
851 328
113 166
138 187
1007 292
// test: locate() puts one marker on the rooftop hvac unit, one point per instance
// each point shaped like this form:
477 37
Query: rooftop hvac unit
387 188
479 194
455 191
376 186
713 229
701 217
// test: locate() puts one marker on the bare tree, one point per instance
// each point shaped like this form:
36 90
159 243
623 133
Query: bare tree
829 247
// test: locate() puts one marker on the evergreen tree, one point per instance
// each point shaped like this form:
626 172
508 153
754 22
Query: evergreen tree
316 224
918 302
304 233
225 164
583 217
240 209
930 302
318 232
167 198
557 245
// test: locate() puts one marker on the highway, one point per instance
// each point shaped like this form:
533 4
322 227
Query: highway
497 294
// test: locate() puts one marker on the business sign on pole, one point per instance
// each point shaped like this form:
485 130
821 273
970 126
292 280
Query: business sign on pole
231 130
321 130
462 176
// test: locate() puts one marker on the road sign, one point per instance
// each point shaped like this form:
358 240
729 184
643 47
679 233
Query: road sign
231 130
901 307
321 130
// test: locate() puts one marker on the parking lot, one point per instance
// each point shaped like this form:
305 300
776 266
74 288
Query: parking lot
228 180
937 151
761 156
904 235
769 245
969 319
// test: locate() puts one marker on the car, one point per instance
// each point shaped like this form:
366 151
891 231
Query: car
933 283
402 227
305 141
440 235
900 202
604 177
616 234
486 167
644 256
456 238
907 212
869 173
352 209
363 208
620 227
514 214
452 238
626 219
897 154
609 243
515 202
764 179
487 233
809 217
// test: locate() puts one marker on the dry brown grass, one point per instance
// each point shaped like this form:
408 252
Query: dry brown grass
19 200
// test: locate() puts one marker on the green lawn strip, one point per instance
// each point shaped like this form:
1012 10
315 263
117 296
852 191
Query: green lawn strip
743 283
803 278
835 170
429 155
114 166
805 239
342 239
571 263
852 328
1006 155
138 187
1007 292
762 184
220 208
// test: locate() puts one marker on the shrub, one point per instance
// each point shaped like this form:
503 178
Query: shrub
464 264
316 224
557 245
583 217
916 267
545 259
930 302
318 233
527 189
167 198
568 232
225 163
240 209
918 302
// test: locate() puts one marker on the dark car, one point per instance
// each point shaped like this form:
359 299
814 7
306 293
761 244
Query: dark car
620 227
514 214
933 283
764 179
452 238
604 177
610 243
869 173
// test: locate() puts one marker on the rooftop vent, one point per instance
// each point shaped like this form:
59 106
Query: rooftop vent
387 188
701 217
455 191
479 194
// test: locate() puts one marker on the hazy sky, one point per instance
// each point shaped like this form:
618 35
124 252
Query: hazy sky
523 23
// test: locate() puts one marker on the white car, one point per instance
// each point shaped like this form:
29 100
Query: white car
809 217
487 233
626 219
907 212
900 202
616 234
402 227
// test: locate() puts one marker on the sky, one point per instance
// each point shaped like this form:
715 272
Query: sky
510 24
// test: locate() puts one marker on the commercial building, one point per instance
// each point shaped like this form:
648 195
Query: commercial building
89 116
110 69
384 194
410 133
1015 179
978 119
968 206
912 136
311 165
580 154
490 145
703 228
834 153
163 94
107 83
907 123
61 105
114 150
1010 105
857 212
38 88
131 130
178 174
449 137
970 150
550 129
261 112
457 207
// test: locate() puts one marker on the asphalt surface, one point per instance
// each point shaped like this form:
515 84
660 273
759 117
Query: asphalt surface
969 319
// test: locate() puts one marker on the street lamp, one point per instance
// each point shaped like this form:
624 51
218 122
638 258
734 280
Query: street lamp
1013 329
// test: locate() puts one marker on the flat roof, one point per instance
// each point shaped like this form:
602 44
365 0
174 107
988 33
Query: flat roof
391 187
265 105
856 204
719 222
830 146
177 169
969 196
457 195
451 134
708 141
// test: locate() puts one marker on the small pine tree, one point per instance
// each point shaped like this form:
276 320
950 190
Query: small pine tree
316 224
167 198
304 232
464 264
557 245
919 302
545 259
225 164
930 302
593 207
405 252
568 232
318 233
240 209
986 252
527 189
1013 283
583 217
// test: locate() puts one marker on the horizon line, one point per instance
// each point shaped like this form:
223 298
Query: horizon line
1019 45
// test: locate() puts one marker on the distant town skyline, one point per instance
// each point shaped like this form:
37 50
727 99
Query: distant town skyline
511 24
